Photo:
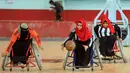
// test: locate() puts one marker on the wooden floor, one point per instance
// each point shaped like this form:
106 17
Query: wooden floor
52 50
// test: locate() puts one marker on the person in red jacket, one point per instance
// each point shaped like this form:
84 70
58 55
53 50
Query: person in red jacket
21 41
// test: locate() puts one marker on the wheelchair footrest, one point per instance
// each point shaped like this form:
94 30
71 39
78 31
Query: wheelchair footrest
107 59
82 66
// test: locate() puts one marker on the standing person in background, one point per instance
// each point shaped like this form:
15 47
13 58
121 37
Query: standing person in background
58 8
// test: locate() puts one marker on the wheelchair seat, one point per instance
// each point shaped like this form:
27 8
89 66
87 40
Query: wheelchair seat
20 51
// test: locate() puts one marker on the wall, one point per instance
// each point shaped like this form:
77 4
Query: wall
91 4
68 15
83 4
39 9
25 4
31 10
22 4
46 29
68 4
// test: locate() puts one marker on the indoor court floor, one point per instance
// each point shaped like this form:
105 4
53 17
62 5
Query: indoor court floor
53 56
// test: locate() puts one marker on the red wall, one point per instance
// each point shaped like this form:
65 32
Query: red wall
89 15
39 20
46 29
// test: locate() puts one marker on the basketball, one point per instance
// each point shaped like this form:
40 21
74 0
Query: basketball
70 45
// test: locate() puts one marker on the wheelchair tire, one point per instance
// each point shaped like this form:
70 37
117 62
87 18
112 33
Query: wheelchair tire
98 54
73 69
121 51
66 59
37 57
10 69
5 61
27 69
92 69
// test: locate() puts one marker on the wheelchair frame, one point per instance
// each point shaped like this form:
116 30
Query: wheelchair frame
34 54
65 63
96 48
118 45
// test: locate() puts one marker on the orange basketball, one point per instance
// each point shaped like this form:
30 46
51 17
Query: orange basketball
70 45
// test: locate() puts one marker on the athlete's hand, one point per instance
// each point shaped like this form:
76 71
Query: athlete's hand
120 39
3 54
41 47
85 47
62 46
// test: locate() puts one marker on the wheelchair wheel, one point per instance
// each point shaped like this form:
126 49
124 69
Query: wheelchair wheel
66 59
10 69
5 61
27 69
98 54
121 51
91 60
36 55
100 60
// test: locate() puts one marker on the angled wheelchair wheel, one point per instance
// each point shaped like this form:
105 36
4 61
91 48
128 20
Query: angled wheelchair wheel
121 51
4 62
66 59
91 60
96 44
37 56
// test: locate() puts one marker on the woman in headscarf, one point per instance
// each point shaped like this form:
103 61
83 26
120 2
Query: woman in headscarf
107 34
83 39
20 42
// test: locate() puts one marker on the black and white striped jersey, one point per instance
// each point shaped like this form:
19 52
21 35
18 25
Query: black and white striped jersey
103 32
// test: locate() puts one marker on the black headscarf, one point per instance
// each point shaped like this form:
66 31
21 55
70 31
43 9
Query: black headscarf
24 33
